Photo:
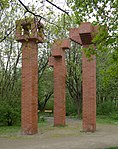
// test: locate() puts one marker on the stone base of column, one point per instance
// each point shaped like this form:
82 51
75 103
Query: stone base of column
89 127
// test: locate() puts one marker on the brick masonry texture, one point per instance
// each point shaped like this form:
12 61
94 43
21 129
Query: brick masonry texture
89 93
83 36
30 36
59 91
58 62
29 88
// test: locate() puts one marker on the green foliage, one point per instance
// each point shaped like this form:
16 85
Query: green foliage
10 88
90 51
109 109
14 130
9 112
10 106
112 148
41 119
106 119
107 79
50 104
114 115
106 108
74 78
71 107
42 124
9 130
4 4
45 89
103 14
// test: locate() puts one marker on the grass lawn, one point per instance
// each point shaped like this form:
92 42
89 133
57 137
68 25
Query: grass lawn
112 147
12 130
9 130
106 120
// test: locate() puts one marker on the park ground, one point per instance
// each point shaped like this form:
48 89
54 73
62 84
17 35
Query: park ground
69 137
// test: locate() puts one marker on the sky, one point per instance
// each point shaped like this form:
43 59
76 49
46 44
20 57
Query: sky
38 3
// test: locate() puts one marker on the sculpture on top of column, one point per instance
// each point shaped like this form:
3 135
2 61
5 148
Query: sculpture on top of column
29 32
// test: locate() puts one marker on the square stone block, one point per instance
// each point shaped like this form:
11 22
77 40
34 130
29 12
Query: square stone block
65 44
74 35
29 29
85 27
57 52
85 32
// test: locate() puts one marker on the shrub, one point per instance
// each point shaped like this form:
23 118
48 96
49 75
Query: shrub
71 108
9 111
106 108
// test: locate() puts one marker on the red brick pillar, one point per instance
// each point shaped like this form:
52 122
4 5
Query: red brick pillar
59 92
83 36
29 100
58 53
89 92
27 33
86 31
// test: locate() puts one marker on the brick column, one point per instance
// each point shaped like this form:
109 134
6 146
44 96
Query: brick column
29 119
89 92
58 60
29 99
59 92
86 32
83 36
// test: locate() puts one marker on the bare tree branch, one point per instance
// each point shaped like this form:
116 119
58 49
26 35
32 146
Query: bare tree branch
7 34
58 7
36 15
42 69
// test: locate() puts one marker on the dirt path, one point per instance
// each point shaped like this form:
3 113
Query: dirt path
69 137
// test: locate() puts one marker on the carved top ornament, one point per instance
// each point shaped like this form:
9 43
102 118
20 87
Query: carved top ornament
29 29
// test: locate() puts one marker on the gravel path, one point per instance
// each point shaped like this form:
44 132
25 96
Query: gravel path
69 137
